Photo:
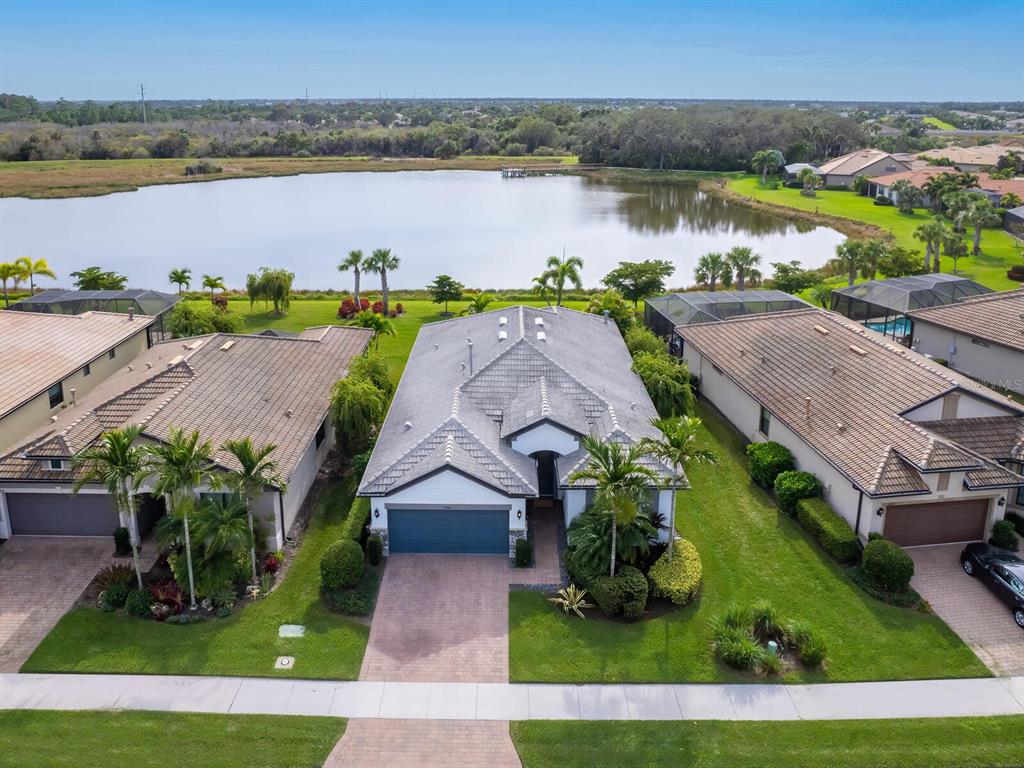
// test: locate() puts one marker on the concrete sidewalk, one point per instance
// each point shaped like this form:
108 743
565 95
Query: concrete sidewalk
503 701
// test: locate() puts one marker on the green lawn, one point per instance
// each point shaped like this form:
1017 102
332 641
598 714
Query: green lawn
938 743
934 122
750 551
247 643
45 739
999 250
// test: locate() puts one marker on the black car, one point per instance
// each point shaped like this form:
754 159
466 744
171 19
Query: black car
1002 571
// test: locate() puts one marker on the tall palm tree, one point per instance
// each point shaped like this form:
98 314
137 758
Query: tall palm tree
30 268
9 271
931 233
120 465
256 471
353 261
981 213
213 282
179 466
677 447
712 267
743 262
561 271
850 256
620 481
872 252
382 260
180 277
542 288
767 161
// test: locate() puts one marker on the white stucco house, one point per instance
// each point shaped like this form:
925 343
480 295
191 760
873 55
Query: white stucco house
226 386
982 337
487 422
902 445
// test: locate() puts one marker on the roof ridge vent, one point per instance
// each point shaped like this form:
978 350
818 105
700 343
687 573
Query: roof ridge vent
449 447
227 345
545 407
822 330
858 350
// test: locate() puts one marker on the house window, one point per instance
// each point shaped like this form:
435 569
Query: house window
56 465
86 370
765 422
588 500
979 342
321 433
56 394
652 499
111 354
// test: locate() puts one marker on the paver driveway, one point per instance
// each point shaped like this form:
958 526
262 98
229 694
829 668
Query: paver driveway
40 579
969 608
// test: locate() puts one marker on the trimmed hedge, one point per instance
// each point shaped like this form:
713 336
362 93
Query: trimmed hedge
1003 535
375 549
341 566
791 486
624 594
829 529
680 579
352 526
766 461
887 565
524 553
357 601
138 604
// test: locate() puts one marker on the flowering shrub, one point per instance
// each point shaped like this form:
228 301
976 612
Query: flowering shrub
399 308
271 563
347 309
393 313
378 307
220 302
167 593
364 304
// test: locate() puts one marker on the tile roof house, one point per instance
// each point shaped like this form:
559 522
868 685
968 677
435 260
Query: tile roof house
877 423
982 336
489 414
227 386
49 361
968 159
993 189
841 171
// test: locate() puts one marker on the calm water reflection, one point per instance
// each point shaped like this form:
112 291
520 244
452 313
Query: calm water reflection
483 230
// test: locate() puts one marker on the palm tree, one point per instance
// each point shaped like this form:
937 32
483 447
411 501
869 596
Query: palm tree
712 267
931 233
383 261
743 261
850 257
767 161
809 179
872 252
30 268
353 261
379 324
120 466
180 277
677 447
9 271
979 214
478 304
542 288
213 282
256 471
561 271
620 481
179 466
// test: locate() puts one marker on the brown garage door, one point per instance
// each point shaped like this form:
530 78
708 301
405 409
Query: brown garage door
942 522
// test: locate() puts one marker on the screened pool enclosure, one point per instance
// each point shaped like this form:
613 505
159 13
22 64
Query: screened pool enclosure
882 305
58 301
664 313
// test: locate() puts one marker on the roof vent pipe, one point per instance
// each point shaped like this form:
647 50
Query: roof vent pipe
469 343
74 399
606 313
807 407
131 315
407 426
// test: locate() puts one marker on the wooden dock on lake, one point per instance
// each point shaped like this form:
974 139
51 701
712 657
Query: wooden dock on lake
544 169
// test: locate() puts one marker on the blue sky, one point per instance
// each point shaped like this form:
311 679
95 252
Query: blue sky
819 49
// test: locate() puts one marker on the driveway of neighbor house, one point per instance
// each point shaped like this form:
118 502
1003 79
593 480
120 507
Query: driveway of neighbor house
969 608
40 579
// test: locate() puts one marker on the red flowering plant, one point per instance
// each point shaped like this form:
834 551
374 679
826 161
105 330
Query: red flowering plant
378 307
347 309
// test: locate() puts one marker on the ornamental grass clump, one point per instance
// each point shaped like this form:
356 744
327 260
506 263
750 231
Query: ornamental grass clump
742 639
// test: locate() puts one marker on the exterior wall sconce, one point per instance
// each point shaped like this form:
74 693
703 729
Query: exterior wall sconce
376 513
519 514
880 511
1001 502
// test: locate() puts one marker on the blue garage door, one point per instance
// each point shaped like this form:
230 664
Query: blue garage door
448 531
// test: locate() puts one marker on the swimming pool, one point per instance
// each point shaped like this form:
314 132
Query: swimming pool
897 328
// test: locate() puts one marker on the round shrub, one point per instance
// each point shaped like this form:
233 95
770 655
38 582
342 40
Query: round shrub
137 604
375 549
1003 535
341 565
524 553
888 566
680 579
624 594
114 597
766 461
791 486
122 542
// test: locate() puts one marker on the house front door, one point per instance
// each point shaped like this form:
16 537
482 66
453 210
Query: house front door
545 472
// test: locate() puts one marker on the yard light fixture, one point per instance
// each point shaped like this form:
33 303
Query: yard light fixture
1001 502
376 513
880 511
519 514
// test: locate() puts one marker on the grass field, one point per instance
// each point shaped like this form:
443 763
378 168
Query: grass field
939 743
46 739
246 643
934 122
750 551
999 250
86 178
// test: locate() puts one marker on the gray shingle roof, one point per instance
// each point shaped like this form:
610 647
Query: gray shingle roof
571 368
274 390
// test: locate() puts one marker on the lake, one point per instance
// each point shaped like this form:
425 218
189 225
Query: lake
483 230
